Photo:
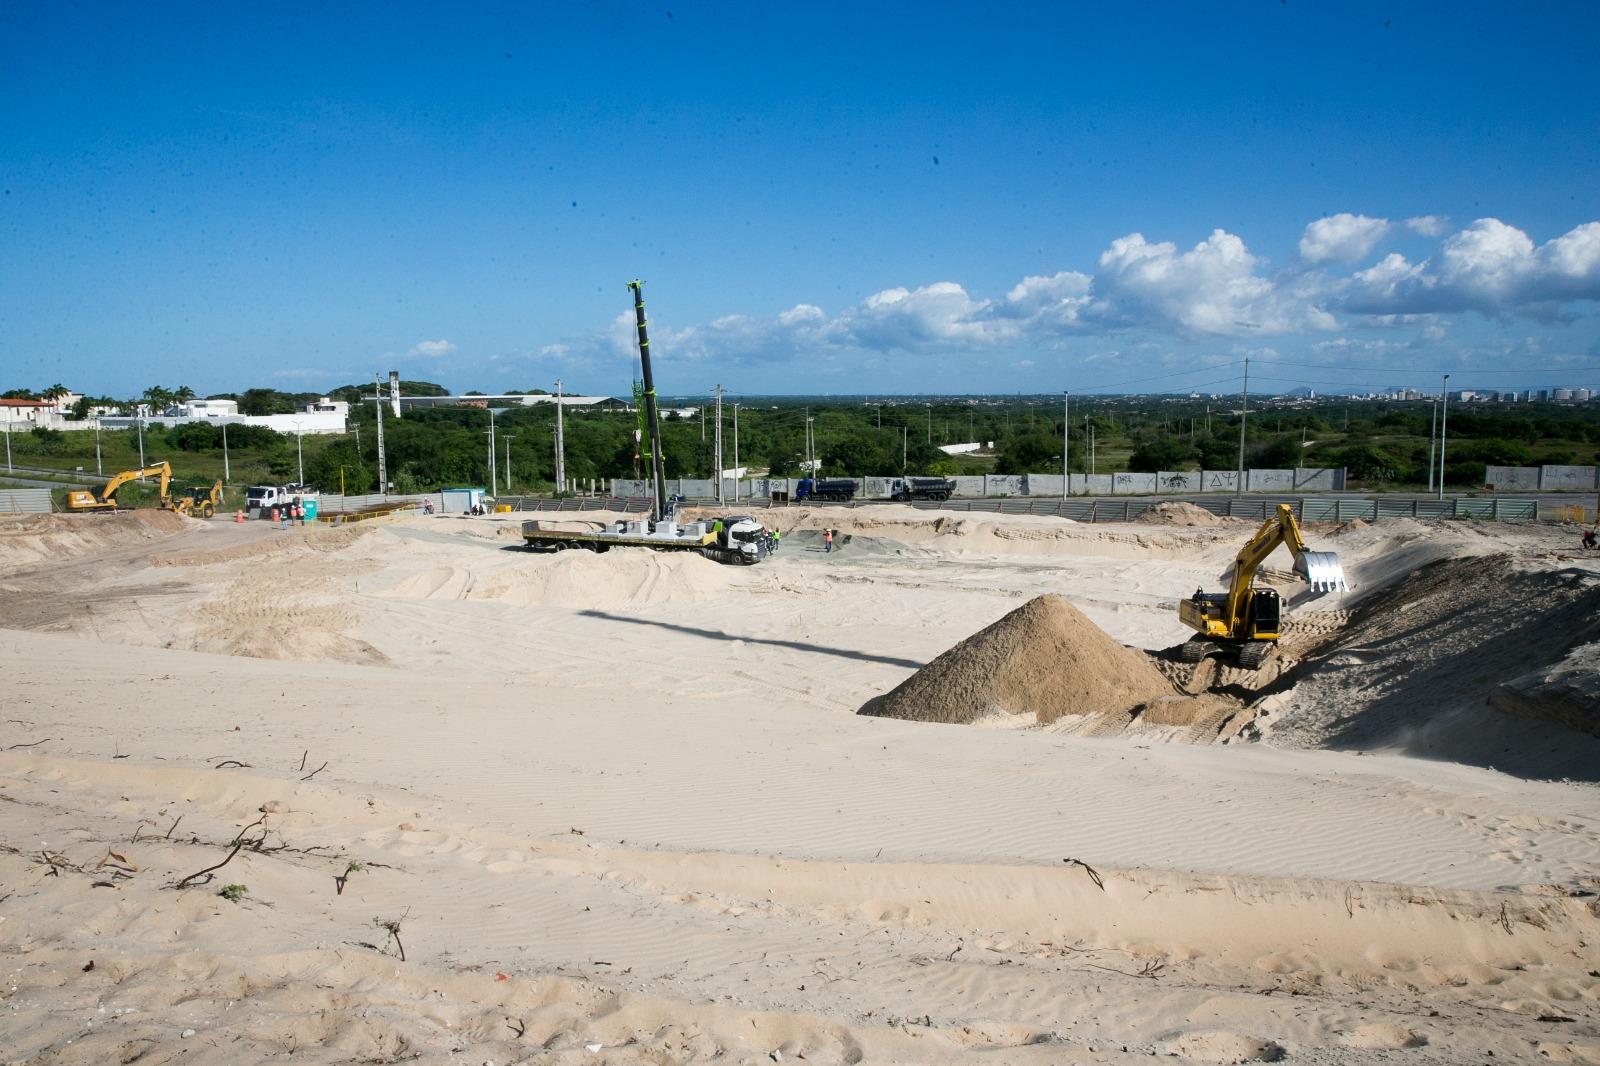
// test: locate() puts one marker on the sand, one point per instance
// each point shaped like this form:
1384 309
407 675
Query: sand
1044 660
1179 513
629 807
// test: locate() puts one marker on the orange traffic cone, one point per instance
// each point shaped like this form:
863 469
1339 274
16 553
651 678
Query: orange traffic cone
238 517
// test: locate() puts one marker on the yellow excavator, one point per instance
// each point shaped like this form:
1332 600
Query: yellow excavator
1244 620
105 497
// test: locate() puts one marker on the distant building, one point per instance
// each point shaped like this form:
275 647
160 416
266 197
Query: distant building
322 417
30 414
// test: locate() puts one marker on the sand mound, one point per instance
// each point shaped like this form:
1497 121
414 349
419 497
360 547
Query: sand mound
38 537
1044 659
1476 660
1180 514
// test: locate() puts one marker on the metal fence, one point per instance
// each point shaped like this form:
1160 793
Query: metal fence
25 501
1307 509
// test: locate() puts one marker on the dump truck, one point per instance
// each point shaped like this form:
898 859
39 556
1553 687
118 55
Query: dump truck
837 489
1243 623
906 489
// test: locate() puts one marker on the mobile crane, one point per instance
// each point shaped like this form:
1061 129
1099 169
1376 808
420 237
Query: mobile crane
1245 620
105 497
737 540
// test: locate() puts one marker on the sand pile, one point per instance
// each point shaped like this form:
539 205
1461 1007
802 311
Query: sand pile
1476 660
1177 513
38 537
1044 659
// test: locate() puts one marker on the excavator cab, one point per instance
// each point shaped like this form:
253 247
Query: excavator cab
1245 622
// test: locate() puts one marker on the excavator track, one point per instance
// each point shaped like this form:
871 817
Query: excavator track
1254 654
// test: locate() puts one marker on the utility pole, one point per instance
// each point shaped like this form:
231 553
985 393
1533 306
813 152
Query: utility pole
930 422
1066 443
1244 413
1433 438
561 446
383 465
138 421
226 475
905 451
509 438
721 495
736 474
494 481
98 469
8 446
300 456
1444 420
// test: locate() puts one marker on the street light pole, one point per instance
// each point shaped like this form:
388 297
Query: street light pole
1244 413
1444 420
717 445
300 455
494 481
1433 438
227 475
561 446
1066 443
98 468
509 438
736 474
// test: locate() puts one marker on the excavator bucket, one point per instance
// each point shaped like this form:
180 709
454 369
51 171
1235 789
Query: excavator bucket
1322 571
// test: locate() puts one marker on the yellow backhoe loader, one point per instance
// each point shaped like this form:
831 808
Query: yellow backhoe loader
196 502
104 498
1244 621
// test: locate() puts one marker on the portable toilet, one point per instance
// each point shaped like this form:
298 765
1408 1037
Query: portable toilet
460 500
308 507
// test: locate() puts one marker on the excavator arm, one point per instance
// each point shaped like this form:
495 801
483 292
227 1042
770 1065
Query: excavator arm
1321 570
1245 617
105 497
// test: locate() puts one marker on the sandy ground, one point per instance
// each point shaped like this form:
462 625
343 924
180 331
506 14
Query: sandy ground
621 809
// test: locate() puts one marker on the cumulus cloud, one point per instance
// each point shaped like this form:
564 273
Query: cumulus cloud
1489 267
432 349
1217 288
1341 238
1428 225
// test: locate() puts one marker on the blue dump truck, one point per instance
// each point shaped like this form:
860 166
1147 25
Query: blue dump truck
837 490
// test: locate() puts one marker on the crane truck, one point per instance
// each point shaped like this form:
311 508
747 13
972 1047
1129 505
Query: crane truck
738 539
1244 621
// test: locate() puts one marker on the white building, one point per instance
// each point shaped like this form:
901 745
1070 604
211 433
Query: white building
319 418
30 414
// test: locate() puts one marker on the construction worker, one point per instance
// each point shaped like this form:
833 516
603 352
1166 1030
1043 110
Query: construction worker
827 541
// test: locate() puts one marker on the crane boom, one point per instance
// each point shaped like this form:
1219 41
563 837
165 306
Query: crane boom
652 414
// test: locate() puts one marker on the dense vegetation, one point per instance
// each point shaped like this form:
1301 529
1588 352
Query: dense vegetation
1382 444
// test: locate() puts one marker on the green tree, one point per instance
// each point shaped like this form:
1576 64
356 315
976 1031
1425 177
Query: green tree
1024 453
1163 453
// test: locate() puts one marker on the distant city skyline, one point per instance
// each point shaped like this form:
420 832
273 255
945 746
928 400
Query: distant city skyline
883 200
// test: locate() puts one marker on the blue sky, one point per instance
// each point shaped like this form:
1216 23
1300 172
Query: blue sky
904 199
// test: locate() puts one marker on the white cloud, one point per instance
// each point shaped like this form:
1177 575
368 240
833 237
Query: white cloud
432 349
1341 238
1217 288
1489 267
1428 225
1212 289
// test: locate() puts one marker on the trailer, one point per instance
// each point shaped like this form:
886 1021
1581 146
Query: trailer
738 540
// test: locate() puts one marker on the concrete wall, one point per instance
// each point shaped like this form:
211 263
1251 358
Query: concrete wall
1004 485
1042 484
1321 479
1269 480
1220 480
1512 478
1179 481
1566 478
1099 484
1125 484
968 486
